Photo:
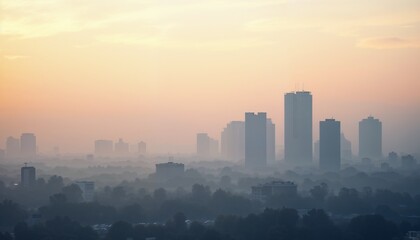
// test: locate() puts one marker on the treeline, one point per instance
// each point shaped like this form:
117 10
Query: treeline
200 202
273 224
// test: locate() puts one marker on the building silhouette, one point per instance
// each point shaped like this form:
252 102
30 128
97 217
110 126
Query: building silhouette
203 144
346 152
104 147
121 148
213 147
298 127
12 147
233 141
264 191
142 147
169 170
408 162
271 141
28 145
329 145
27 176
88 190
255 140
370 138
206 146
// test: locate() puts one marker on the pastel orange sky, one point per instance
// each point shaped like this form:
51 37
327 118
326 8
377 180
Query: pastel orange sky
74 71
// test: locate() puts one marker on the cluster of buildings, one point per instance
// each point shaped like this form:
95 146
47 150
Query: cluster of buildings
28 180
24 147
253 140
107 148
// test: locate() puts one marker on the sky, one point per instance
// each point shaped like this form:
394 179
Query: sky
73 71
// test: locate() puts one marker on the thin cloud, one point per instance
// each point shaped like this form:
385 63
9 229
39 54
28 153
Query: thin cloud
389 43
15 57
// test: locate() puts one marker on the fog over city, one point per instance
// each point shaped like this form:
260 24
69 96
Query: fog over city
221 120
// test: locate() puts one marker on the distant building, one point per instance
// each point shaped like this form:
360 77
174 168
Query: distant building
408 162
2 154
28 145
255 140
329 145
275 188
88 190
169 170
370 138
213 147
233 141
27 176
346 152
12 147
298 128
393 158
104 147
271 141
121 148
142 147
206 146
316 150
203 144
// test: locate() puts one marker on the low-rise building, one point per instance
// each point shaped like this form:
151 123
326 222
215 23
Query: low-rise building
275 188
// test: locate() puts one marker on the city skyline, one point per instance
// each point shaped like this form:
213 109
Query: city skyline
162 73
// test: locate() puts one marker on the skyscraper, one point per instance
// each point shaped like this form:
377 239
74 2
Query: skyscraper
298 127
233 141
27 176
207 146
28 145
121 147
329 145
370 138
255 140
203 144
12 147
346 153
271 141
104 147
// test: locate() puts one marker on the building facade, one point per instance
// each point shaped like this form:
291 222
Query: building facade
28 145
329 145
370 138
233 141
298 128
255 140
27 176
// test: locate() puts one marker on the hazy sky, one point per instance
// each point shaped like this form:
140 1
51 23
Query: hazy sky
72 71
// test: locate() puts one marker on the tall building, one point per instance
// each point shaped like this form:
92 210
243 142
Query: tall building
203 144
346 153
28 145
255 140
88 190
207 146
12 147
233 141
329 145
298 127
142 147
271 141
104 147
27 176
370 138
213 147
121 147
